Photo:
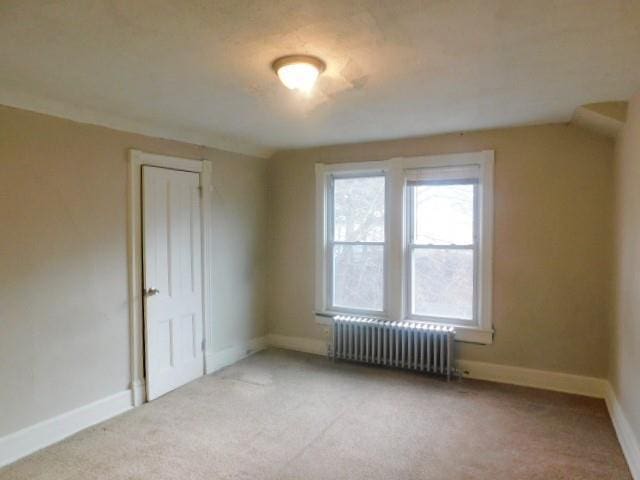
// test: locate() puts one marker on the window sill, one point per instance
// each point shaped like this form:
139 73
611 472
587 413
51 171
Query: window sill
465 334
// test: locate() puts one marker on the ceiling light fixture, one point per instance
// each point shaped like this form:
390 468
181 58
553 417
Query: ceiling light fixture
298 72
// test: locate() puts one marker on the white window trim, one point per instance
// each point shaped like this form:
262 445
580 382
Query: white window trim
395 205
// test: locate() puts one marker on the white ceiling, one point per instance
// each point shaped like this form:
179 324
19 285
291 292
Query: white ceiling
199 70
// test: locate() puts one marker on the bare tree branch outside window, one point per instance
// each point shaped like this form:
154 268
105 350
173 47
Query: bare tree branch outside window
358 266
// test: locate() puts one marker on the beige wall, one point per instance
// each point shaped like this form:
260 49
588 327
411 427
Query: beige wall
553 206
625 351
63 277
64 327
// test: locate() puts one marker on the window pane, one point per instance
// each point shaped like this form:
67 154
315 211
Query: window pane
358 272
358 209
443 283
444 214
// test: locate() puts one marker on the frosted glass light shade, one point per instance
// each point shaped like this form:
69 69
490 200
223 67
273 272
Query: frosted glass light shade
298 72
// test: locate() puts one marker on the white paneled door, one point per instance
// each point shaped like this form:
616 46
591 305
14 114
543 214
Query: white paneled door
172 267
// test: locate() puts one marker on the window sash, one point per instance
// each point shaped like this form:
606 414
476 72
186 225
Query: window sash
410 281
331 244
442 173
412 246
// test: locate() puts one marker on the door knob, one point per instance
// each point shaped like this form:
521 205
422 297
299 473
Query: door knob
150 292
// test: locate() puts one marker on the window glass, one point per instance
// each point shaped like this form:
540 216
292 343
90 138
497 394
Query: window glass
358 209
358 277
358 249
442 279
443 214
442 283
431 263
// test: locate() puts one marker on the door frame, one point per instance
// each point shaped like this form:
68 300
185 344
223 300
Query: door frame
203 167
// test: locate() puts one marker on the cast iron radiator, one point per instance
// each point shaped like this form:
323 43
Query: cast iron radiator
409 345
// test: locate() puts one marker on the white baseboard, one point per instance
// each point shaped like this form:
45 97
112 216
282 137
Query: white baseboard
23 442
561 382
628 439
529 377
35 437
299 344
40 435
214 361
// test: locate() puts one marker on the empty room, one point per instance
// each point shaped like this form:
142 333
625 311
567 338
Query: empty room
337 239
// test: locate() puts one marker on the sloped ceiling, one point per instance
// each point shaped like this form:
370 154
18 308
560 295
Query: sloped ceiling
200 70
605 118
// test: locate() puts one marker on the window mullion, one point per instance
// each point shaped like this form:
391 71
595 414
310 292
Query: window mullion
395 265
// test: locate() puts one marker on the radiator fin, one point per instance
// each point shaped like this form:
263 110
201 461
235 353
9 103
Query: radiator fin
410 345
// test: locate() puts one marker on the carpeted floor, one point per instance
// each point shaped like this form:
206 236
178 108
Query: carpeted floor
285 415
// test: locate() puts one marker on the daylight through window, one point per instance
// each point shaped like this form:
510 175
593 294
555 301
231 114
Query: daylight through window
441 249
408 238
357 242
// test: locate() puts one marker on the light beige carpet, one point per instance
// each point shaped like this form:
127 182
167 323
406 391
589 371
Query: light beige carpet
284 415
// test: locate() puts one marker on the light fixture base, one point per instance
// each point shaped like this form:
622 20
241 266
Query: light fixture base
280 62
